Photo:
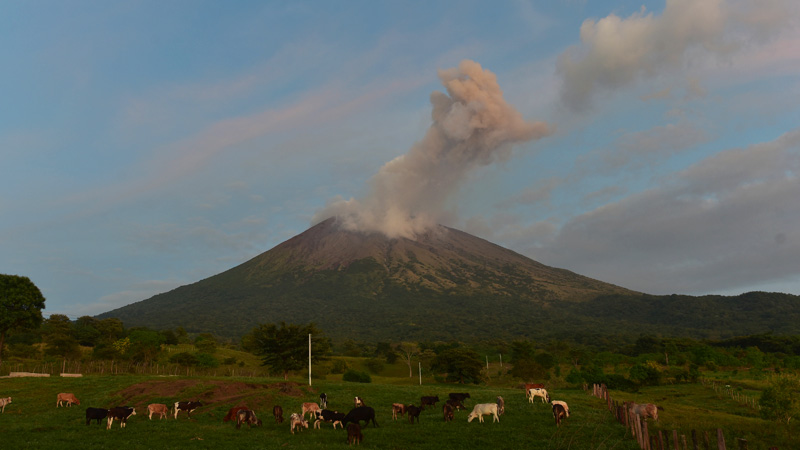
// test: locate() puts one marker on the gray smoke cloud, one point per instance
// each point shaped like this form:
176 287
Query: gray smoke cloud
473 126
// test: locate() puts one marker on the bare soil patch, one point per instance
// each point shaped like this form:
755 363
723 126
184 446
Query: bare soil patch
212 393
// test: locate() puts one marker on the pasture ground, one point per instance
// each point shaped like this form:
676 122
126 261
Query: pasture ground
32 420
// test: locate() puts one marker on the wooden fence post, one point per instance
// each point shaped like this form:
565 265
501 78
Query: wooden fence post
706 442
720 440
683 441
675 439
742 444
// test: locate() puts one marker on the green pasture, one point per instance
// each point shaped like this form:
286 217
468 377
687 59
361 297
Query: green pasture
33 421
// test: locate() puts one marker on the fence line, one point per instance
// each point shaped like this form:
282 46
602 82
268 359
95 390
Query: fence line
638 428
113 367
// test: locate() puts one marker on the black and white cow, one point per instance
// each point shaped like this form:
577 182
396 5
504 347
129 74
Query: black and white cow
328 416
120 413
186 406
323 400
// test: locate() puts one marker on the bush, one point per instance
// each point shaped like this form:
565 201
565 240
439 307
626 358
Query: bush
183 359
374 365
207 360
339 366
229 361
356 376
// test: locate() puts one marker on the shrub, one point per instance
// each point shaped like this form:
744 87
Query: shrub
183 359
374 365
207 360
339 366
356 376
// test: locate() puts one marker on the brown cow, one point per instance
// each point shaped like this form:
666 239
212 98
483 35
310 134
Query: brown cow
4 402
413 413
232 413
68 398
310 408
398 408
247 416
559 413
354 433
644 409
447 411
157 408
277 411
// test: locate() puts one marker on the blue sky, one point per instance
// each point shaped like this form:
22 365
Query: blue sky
147 145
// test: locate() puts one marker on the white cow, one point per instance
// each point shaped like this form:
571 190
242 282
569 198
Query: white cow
538 392
483 409
562 403
4 402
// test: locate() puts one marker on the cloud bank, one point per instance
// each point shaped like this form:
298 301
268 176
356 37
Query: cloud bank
473 126
616 52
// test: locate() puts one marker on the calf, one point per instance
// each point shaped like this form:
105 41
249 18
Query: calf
501 405
120 413
277 411
311 409
483 409
447 411
455 404
186 406
398 408
413 413
460 396
428 400
562 403
356 415
323 400
354 434
297 421
4 402
67 398
559 413
644 409
97 414
232 413
247 416
328 416
358 401
538 392
157 408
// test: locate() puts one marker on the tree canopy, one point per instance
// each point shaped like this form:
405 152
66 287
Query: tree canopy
21 304
285 348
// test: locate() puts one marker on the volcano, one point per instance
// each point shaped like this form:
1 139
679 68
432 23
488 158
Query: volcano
445 284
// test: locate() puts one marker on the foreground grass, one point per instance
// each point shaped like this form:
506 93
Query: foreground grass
32 420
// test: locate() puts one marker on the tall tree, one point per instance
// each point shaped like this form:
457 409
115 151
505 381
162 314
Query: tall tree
21 304
408 350
460 364
285 348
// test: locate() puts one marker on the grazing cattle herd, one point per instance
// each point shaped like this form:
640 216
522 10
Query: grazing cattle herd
350 421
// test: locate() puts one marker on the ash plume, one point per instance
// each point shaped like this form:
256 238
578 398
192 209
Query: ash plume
473 126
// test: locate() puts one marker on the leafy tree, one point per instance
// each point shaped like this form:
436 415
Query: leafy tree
85 331
59 339
781 401
647 373
183 359
460 364
285 348
21 304
206 343
145 345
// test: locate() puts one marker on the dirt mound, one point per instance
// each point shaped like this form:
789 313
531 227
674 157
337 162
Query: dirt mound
209 392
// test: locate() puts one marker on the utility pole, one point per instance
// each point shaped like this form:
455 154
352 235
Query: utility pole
420 373
309 359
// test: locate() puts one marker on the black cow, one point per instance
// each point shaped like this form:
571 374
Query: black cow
95 414
247 416
328 416
413 412
186 406
428 400
460 396
120 413
323 400
454 404
365 413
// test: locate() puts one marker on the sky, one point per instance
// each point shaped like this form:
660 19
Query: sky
147 145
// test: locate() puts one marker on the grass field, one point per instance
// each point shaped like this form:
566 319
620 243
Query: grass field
33 421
